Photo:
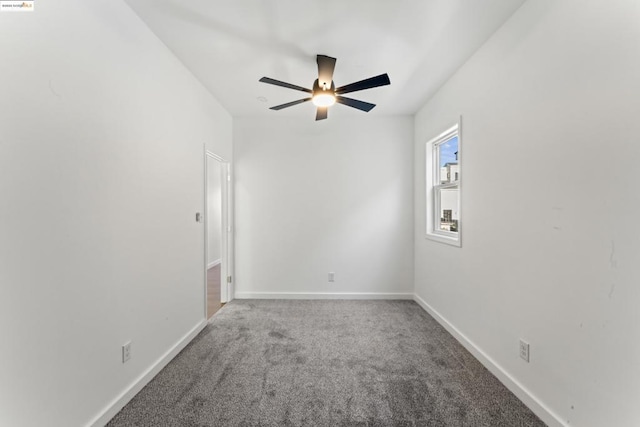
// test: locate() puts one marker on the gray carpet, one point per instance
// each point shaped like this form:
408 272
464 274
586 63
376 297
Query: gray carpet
324 363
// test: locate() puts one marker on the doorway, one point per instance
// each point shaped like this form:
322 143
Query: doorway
216 233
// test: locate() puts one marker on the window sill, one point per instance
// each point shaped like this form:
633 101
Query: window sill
453 241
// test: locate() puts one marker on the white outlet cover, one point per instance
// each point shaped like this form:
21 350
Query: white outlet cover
126 351
524 350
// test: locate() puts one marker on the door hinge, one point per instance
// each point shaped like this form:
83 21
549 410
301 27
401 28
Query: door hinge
228 279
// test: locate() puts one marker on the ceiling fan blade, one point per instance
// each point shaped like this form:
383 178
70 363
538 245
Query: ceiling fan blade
326 65
360 105
290 104
284 84
381 80
321 113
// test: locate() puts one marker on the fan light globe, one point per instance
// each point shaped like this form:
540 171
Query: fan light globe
324 100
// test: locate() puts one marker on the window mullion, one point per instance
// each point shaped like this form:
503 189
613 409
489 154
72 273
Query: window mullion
447 185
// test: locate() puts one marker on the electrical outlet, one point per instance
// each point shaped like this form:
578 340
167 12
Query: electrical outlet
126 351
332 276
524 350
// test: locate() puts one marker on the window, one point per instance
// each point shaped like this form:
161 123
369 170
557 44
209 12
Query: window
443 187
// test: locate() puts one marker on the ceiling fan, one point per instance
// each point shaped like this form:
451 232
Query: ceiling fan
324 93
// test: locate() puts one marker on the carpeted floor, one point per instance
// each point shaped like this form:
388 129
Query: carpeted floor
324 363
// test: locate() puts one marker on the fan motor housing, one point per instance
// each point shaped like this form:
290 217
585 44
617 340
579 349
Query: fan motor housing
318 90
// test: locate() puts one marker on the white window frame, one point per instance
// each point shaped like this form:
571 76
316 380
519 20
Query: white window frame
433 186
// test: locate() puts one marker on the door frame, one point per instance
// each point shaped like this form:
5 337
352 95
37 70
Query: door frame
226 286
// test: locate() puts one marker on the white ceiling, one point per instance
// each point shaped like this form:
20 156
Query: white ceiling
228 45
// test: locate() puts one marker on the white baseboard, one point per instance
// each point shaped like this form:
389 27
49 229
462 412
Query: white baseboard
214 263
521 392
321 295
118 403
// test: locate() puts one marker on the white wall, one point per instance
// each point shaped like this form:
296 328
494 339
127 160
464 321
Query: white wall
314 197
550 131
101 173
214 198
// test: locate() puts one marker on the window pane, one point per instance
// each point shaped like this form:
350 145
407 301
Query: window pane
443 178
448 160
448 204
